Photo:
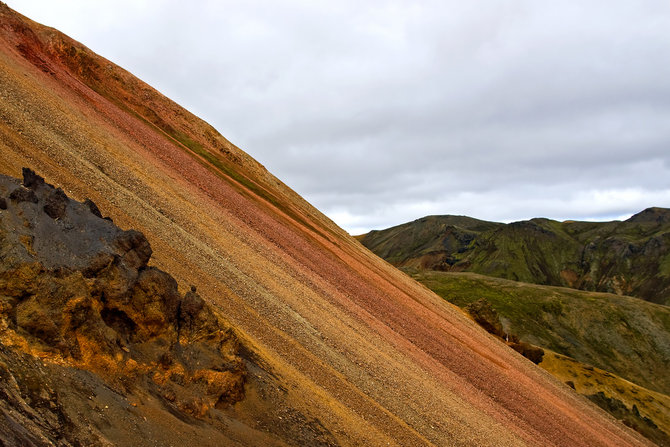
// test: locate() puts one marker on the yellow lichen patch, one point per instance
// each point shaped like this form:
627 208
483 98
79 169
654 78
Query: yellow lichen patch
20 281
27 242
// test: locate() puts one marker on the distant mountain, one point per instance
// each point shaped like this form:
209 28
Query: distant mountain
627 258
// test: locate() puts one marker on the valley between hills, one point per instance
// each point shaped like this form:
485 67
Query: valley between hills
312 340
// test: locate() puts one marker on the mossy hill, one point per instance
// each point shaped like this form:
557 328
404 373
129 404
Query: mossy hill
623 335
630 257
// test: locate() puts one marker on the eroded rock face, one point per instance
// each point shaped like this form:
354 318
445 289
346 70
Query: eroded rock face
486 316
75 288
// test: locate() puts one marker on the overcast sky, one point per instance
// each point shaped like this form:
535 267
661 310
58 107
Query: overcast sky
381 112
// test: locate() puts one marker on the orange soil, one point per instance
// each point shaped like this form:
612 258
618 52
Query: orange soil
375 357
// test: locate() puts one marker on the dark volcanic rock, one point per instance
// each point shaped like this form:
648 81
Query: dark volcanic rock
60 233
135 247
486 317
532 353
76 289
21 194
31 179
93 207
55 204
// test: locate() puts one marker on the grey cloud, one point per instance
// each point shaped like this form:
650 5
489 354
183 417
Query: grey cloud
379 112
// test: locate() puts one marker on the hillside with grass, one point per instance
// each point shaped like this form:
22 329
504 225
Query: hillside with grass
644 410
630 257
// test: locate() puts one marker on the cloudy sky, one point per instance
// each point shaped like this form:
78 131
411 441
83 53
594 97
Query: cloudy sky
381 112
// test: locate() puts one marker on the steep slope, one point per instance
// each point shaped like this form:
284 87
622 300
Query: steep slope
626 258
646 411
345 347
620 334
539 312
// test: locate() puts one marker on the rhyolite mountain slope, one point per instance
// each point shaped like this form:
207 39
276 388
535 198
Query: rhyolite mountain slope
627 258
345 349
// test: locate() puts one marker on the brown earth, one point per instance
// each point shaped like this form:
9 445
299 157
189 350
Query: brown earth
351 351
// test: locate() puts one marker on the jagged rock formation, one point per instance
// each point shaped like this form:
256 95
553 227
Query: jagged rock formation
626 258
77 290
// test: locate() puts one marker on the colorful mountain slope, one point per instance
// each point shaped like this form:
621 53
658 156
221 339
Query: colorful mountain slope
627 258
579 331
620 334
346 350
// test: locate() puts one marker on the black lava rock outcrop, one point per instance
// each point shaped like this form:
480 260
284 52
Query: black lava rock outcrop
77 290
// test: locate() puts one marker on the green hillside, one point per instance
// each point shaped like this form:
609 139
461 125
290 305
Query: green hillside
626 258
